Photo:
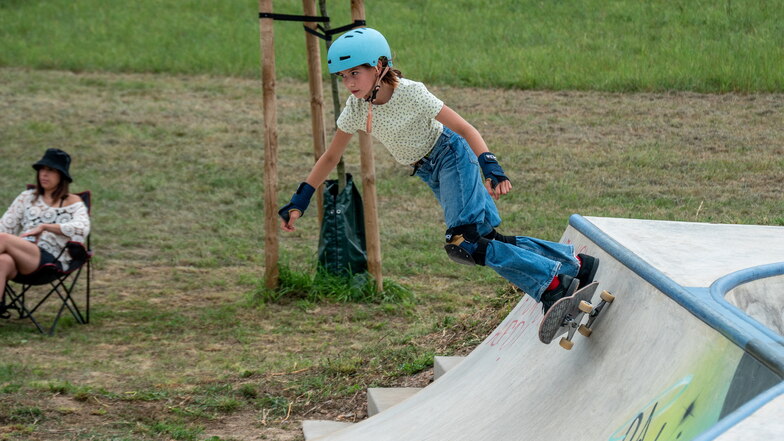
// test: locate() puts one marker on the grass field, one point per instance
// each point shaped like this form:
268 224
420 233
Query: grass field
179 349
160 105
626 45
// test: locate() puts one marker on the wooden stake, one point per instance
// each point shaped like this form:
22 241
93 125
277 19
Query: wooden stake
271 247
316 96
333 79
372 236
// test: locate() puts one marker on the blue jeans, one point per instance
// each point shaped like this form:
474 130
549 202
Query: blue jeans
452 172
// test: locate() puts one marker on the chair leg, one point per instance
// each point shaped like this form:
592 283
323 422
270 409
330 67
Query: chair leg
21 307
12 300
63 287
18 300
67 301
57 317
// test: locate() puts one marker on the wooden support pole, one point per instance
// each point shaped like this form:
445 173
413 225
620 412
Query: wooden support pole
372 235
271 248
333 80
316 96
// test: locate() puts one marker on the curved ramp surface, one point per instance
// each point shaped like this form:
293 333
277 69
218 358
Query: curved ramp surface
668 360
763 300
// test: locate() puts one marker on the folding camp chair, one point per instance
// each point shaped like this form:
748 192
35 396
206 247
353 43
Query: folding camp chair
60 285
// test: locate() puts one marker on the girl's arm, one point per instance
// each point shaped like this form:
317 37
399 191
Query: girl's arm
327 162
76 227
459 125
324 166
42 228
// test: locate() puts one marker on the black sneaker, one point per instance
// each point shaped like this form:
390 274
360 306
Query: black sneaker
587 269
567 287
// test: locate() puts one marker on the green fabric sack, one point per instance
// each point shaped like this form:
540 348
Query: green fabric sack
342 250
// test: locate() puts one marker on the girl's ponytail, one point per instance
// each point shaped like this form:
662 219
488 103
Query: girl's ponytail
392 76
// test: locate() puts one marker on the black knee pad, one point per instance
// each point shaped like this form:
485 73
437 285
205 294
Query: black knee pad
465 246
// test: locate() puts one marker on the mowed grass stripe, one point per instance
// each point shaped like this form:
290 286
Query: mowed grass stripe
625 45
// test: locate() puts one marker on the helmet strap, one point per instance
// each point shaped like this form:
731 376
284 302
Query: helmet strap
372 99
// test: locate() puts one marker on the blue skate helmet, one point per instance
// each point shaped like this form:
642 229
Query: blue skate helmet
357 47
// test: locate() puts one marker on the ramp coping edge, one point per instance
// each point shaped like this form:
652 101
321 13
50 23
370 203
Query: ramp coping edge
700 301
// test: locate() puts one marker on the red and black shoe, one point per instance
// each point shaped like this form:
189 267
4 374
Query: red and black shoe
567 286
588 267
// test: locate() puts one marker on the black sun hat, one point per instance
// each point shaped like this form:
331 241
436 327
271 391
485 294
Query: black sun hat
56 159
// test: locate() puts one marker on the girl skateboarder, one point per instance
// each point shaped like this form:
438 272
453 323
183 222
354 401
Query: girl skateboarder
447 153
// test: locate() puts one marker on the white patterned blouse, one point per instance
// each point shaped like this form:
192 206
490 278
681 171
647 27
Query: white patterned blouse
28 211
405 124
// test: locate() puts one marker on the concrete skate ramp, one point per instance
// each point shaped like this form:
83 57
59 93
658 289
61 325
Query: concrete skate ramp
671 359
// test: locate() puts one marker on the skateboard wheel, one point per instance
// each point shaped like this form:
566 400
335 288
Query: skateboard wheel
585 307
607 297
566 344
585 331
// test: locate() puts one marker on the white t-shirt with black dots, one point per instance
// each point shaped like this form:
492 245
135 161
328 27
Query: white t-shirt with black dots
405 124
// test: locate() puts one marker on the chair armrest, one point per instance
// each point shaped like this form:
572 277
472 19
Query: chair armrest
78 251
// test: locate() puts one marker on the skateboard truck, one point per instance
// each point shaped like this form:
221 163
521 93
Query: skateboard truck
606 298
574 323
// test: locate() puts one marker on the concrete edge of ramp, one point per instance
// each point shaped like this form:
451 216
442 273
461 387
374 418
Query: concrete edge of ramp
314 429
741 329
382 398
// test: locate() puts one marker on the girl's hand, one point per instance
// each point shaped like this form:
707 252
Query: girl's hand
35 232
503 187
293 216
294 209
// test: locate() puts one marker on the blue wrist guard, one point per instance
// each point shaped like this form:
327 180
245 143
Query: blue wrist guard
491 169
299 201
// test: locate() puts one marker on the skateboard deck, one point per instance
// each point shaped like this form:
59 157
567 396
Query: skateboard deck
565 315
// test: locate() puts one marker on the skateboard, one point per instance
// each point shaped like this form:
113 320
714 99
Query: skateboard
565 315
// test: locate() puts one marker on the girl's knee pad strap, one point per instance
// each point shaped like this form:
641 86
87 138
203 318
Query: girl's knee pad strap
495 235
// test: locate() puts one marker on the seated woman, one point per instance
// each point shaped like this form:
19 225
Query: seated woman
40 222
